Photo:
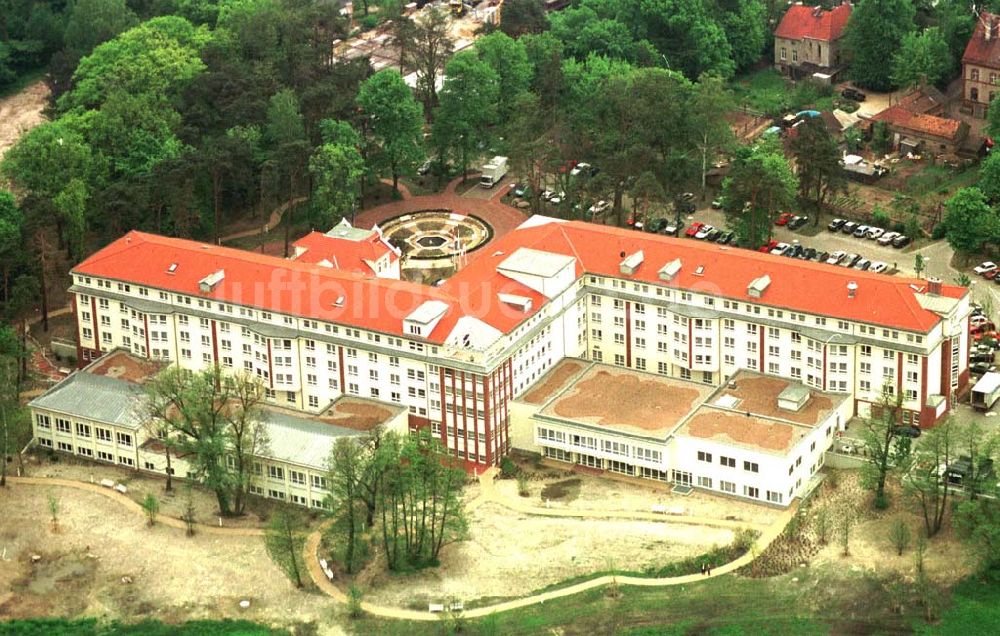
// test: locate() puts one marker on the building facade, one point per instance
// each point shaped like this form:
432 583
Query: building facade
808 40
981 65
455 357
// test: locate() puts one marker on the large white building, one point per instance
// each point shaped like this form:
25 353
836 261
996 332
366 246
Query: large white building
456 356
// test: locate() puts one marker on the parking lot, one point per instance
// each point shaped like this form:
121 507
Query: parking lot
823 241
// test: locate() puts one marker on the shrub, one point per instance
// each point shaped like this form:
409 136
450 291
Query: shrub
151 506
522 484
354 595
899 533
508 468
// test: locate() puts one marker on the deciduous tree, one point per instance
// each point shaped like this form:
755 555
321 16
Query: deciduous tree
817 157
395 123
969 220
285 539
922 58
519 17
760 184
875 33
468 108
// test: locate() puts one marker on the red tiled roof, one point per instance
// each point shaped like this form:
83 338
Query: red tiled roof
979 50
310 291
902 117
802 21
344 254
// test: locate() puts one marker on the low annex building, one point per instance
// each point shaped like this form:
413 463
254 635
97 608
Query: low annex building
97 413
681 316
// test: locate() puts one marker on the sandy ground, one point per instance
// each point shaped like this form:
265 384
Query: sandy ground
606 493
174 505
173 577
20 113
505 550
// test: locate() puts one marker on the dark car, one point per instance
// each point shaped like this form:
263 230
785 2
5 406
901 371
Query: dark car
796 251
657 225
809 253
836 224
849 260
981 357
713 235
900 241
853 94
823 256
726 237
849 227
907 431
797 222
980 368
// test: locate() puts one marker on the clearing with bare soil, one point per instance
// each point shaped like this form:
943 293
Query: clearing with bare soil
21 112
509 554
105 561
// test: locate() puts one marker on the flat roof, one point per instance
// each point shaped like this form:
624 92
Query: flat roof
358 414
757 394
743 429
536 262
122 365
626 401
552 382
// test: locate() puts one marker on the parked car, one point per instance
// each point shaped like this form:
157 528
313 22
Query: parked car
982 268
982 357
863 264
991 275
580 167
874 233
835 257
780 248
878 267
726 238
717 204
600 207
713 235
900 241
981 368
886 239
657 225
797 222
908 431
861 230
981 327
822 256
784 218
809 253
703 231
547 194
853 94
767 247
848 227
976 319
849 260
425 167
835 224
673 228
520 189
693 230
796 251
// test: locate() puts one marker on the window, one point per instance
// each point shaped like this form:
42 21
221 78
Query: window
276 472
727 461
751 467
704 457
705 482
751 491
318 482
727 486
62 425
82 430
784 54
297 478
124 439
774 497
103 434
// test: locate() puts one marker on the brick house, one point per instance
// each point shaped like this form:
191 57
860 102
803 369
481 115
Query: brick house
981 65
808 40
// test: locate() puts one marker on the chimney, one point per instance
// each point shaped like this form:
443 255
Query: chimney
852 289
934 286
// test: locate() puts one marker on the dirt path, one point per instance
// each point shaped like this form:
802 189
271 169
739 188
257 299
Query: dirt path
21 112
272 221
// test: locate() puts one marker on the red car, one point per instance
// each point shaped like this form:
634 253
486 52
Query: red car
767 248
784 218
987 335
694 229
990 275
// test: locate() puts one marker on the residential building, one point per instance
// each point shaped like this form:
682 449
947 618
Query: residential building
981 65
808 41
455 357
916 133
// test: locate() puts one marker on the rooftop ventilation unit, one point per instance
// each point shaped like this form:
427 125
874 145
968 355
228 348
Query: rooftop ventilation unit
209 283
757 286
670 270
521 302
631 263
339 302
852 289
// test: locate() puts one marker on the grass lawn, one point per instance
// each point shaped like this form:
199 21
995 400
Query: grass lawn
90 627
767 91
974 609
838 603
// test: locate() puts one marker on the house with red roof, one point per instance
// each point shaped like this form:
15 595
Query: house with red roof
917 124
349 249
981 65
808 40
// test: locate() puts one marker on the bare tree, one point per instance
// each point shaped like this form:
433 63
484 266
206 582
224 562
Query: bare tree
429 47
927 478
879 439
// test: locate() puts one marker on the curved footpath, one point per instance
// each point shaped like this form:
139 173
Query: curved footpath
488 494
